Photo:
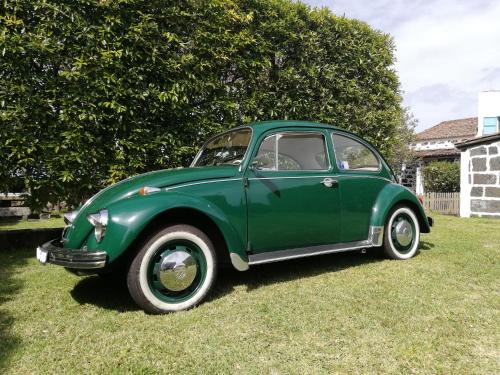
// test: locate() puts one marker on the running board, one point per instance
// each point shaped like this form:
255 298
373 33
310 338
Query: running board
301 252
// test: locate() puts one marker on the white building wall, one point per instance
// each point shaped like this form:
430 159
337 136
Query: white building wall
434 144
419 181
465 183
488 106
480 181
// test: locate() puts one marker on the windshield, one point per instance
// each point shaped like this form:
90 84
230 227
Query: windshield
227 148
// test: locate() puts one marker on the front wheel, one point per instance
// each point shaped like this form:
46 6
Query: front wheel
402 234
173 271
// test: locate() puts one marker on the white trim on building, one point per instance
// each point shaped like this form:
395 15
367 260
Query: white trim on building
465 183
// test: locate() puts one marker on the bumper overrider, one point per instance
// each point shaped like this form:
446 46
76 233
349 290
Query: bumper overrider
53 252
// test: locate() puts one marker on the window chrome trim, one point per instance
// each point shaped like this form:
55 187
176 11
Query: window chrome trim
294 132
362 142
198 154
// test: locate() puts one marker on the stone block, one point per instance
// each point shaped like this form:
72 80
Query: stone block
478 151
485 179
477 191
493 192
484 205
479 164
495 163
493 150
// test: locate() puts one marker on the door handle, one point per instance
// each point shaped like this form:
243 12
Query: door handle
330 182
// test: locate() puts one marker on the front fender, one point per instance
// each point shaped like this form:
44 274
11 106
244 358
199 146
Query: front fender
129 217
391 195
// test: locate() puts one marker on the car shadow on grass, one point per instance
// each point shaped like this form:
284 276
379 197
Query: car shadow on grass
273 273
107 292
10 262
112 293
424 245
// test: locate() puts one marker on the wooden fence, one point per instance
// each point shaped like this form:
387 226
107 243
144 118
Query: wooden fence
444 203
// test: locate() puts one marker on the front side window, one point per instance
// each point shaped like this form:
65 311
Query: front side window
490 125
353 156
292 152
228 148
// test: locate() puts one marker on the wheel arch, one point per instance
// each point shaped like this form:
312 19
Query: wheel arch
157 211
422 218
188 216
393 195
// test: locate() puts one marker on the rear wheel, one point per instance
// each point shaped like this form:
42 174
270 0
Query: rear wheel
402 233
173 271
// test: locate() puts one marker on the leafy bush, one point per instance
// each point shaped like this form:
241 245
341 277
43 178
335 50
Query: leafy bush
93 91
442 177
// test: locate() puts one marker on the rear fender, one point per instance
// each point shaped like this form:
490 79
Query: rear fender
391 195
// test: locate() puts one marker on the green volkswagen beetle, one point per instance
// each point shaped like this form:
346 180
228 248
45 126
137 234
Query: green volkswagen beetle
261 193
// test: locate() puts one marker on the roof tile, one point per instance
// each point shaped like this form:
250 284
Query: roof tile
462 128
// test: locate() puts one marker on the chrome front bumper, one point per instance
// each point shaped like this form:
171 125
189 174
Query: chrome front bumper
53 252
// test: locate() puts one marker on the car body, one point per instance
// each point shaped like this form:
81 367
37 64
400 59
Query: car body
260 193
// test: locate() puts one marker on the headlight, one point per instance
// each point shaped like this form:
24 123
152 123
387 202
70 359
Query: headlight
100 221
69 217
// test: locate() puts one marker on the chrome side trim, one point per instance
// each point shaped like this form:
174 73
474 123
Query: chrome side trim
288 177
270 178
238 263
322 176
301 252
376 235
202 182
363 176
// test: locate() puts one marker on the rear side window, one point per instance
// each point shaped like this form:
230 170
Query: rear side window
352 155
292 152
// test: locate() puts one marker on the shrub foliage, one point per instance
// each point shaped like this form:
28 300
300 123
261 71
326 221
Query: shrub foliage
93 91
442 177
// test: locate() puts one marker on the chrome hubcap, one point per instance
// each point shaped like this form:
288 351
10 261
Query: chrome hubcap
178 270
404 232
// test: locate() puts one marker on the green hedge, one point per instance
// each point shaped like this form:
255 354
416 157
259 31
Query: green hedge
442 177
94 91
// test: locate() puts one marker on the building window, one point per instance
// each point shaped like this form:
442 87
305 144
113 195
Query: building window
490 125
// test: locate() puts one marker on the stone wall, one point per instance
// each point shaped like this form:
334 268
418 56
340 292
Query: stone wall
408 177
484 180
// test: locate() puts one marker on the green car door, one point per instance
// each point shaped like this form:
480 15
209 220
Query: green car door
361 178
292 196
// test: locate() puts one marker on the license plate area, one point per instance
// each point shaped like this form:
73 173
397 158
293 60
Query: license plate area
41 255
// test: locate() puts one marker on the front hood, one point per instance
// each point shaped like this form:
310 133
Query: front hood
123 189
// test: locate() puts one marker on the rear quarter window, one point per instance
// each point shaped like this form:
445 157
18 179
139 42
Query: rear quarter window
352 155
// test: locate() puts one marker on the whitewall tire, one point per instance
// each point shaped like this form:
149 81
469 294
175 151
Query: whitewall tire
401 233
174 270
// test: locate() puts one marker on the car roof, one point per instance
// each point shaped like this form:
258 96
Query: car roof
273 124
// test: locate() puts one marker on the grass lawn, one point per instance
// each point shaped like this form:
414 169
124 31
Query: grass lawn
57 222
341 313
